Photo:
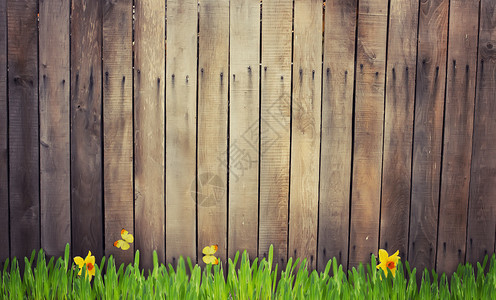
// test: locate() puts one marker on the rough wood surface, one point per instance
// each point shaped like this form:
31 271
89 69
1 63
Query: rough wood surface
275 128
24 179
4 151
369 116
305 144
118 125
428 127
86 119
149 130
180 157
482 206
337 135
244 126
458 129
54 87
213 86
398 126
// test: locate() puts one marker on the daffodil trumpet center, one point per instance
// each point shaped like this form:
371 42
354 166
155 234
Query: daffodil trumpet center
391 265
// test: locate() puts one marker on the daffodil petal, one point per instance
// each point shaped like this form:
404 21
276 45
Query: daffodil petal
89 260
383 255
79 261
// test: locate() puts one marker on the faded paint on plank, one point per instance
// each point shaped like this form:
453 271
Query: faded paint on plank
369 116
149 130
182 21
118 129
24 180
54 86
398 126
428 127
213 82
458 129
337 136
244 126
275 128
305 144
482 207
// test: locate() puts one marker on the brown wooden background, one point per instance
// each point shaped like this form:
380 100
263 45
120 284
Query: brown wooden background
324 128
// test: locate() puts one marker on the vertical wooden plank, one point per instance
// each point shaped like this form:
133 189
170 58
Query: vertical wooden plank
458 129
182 22
86 138
244 126
213 81
305 145
275 127
118 125
149 114
337 135
4 154
428 127
482 207
368 139
54 88
398 126
24 197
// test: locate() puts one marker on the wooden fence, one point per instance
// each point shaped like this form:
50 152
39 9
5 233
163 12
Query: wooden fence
324 128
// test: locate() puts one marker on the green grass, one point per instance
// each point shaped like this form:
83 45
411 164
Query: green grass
257 280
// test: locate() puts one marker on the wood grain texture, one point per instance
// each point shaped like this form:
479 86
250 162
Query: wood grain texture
305 144
275 128
213 86
54 88
182 22
4 151
368 139
86 136
118 125
24 181
149 130
398 126
244 126
428 127
482 207
337 135
458 129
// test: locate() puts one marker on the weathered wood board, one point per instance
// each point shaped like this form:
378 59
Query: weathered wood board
24 179
180 212
337 136
118 125
213 87
275 128
428 130
54 88
305 142
368 130
149 130
482 207
398 126
4 151
458 129
86 128
244 126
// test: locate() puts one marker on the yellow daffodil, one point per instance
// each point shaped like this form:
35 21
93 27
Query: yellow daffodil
388 262
89 261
